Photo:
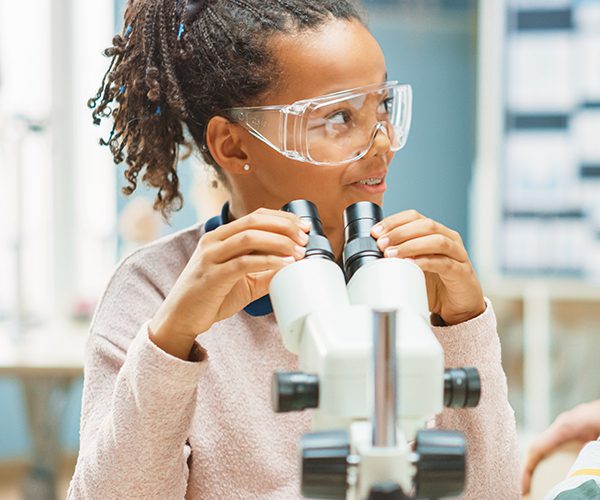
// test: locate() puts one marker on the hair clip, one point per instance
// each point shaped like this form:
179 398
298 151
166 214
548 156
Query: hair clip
157 112
128 31
181 30
122 89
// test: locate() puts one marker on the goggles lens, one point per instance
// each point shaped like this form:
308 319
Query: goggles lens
345 129
336 128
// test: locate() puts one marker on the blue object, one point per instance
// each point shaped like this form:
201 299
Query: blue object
181 30
158 111
260 307
128 31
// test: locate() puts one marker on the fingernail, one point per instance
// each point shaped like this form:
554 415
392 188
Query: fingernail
289 260
384 242
300 251
391 252
377 230
305 224
303 237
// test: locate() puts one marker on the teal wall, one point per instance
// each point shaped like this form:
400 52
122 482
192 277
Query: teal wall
431 174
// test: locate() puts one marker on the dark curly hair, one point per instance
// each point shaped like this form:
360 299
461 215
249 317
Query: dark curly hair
178 63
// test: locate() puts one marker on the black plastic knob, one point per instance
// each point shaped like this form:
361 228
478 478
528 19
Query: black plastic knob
441 458
294 391
325 464
462 387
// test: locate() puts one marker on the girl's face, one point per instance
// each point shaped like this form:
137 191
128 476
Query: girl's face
340 55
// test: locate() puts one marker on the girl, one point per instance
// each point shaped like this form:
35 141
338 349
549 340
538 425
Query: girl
183 343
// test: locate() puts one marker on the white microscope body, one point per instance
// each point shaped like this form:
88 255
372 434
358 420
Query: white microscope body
370 366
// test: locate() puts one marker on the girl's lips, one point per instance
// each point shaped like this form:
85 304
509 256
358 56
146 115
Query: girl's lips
379 188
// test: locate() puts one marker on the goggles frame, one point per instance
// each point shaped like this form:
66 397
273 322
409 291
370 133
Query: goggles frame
290 139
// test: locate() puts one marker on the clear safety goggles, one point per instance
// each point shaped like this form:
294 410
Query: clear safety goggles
335 128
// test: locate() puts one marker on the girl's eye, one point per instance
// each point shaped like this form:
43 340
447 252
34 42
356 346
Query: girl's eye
341 117
386 105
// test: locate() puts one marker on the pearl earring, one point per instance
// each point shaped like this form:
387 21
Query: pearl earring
246 168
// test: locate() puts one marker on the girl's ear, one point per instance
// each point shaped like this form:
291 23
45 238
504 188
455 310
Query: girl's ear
224 141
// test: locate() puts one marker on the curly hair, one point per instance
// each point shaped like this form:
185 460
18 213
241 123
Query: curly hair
177 64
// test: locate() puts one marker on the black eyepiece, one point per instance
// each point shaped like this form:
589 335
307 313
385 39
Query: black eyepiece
360 248
318 245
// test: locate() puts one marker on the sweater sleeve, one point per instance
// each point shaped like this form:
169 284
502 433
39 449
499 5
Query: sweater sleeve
490 430
138 401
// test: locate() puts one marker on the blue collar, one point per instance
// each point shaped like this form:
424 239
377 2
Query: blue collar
260 307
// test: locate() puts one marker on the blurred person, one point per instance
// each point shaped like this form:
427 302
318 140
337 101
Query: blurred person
183 345
582 425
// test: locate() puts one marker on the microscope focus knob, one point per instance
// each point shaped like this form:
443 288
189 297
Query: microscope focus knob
325 464
462 387
441 457
294 391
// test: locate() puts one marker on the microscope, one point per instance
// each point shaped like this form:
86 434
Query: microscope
370 368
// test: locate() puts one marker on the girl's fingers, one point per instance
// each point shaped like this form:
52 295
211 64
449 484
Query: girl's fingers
246 264
264 219
433 244
395 220
256 241
415 229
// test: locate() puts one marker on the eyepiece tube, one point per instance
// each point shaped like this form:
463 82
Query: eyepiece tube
318 245
360 248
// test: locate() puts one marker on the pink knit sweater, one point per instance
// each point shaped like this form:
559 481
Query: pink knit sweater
156 427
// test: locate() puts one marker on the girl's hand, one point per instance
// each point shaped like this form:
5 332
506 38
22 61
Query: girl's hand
230 267
453 290
581 424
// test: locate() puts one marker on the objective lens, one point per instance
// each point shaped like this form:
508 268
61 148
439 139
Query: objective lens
318 245
360 248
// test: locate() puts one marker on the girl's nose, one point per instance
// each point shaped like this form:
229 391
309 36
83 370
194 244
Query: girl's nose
381 143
